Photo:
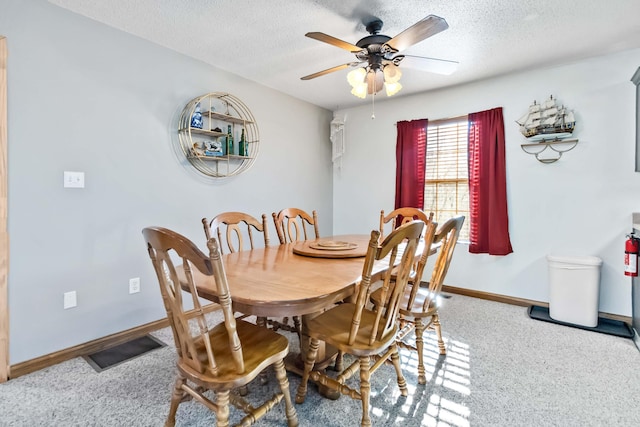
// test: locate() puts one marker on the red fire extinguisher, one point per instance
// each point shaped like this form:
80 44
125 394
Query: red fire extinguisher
631 249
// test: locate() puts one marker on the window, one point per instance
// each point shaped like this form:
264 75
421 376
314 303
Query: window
446 189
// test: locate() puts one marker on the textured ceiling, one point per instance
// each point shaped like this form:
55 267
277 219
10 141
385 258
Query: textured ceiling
264 40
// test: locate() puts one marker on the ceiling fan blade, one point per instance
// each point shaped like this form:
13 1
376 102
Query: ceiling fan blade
423 63
419 31
330 70
334 41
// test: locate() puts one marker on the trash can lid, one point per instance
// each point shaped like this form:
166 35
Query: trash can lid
580 260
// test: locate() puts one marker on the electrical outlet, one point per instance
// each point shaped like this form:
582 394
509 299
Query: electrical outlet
134 285
70 300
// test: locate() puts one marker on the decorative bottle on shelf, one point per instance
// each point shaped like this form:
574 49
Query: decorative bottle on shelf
229 141
243 150
196 119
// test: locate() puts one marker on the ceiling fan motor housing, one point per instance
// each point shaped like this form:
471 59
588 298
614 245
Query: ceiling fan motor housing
372 41
374 49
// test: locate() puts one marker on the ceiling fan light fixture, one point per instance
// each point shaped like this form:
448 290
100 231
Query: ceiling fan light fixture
391 73
375 81
371 82
392 88
360 91
356 77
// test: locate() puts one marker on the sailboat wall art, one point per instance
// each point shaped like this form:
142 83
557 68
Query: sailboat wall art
548 121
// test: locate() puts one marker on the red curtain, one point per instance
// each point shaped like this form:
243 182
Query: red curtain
411 151
489 222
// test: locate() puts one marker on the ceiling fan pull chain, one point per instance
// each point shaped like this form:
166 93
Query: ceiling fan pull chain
373 106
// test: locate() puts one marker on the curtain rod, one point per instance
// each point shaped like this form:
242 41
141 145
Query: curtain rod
442 121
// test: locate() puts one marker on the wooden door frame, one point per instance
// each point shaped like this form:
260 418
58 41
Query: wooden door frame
4 205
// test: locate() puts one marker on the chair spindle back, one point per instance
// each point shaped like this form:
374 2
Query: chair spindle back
402 242
400 216
447 236
194 349
291 224
232 227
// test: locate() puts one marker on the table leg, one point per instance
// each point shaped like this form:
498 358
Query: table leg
326 357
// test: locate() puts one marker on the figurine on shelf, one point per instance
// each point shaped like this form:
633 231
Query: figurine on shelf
196 119
213 148
196 149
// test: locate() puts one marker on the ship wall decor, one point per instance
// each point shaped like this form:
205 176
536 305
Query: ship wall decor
548 121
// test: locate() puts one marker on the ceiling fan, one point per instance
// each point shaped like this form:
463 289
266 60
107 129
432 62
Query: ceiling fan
379 56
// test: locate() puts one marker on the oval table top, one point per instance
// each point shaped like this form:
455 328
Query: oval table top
273 281
345 246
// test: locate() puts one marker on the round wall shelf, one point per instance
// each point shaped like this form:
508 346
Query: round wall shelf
203 132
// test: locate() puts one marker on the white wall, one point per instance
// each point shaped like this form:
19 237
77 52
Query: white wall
580 205
85 97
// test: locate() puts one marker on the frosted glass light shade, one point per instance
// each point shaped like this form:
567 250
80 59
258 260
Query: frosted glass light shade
360 90
356 77
370 81
391 73
392 88
374 82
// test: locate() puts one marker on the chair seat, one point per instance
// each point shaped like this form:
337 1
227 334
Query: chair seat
416 308
260 348
332 326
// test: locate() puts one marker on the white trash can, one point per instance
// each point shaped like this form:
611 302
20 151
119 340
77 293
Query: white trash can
574 289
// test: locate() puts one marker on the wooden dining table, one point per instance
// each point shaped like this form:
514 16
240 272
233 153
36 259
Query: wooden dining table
301 278
276 282
292 279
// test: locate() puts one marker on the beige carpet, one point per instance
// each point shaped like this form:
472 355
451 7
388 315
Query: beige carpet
502 369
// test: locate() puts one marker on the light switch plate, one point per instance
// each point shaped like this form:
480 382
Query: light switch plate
73 179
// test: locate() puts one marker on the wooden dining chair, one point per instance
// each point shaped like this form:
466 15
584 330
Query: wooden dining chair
233 227
400 216
221 358
366 334
291 225
421 303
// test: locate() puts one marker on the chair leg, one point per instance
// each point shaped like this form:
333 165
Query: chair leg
422 379
176 398
402 383
262 322
365 390
312 352
298 326
281 324
338 365
222 414
438 328
281 375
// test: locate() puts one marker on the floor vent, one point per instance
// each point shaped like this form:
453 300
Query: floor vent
110 357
